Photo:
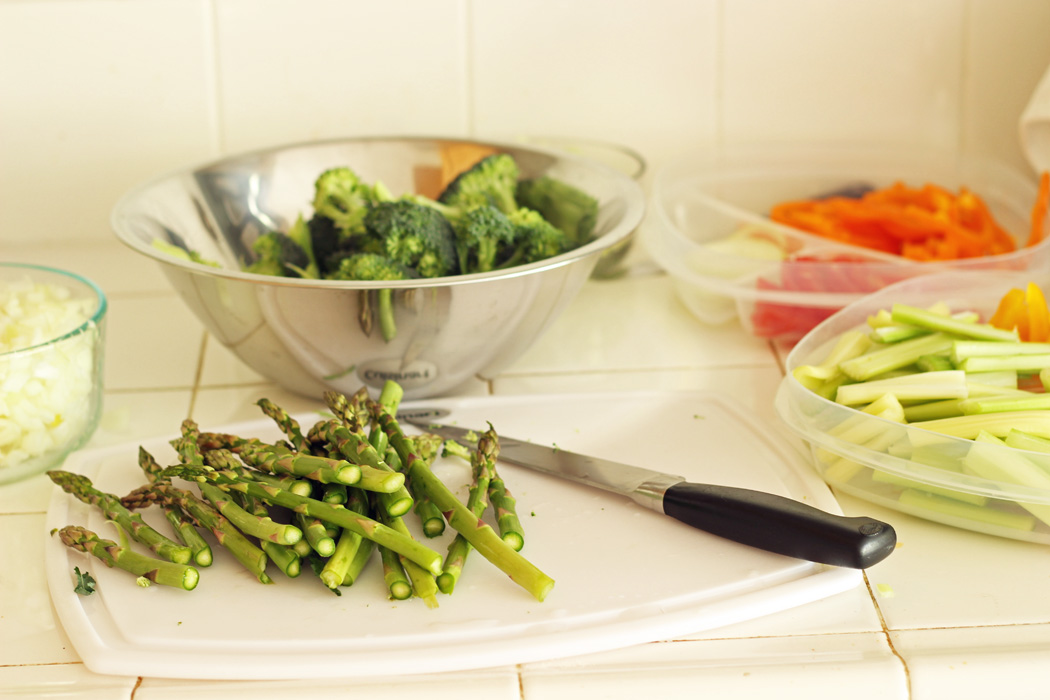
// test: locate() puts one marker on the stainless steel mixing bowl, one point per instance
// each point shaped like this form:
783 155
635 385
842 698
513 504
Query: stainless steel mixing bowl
309 335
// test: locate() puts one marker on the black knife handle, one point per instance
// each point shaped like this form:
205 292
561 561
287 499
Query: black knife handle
780 525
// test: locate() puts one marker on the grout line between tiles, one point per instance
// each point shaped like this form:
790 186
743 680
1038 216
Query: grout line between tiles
211 23
195 390
888 636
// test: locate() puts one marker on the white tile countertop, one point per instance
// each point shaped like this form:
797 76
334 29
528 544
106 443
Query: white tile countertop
962 615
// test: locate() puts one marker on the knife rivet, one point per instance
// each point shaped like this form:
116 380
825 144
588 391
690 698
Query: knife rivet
871 529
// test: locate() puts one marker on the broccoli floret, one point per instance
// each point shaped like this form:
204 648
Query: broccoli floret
414 235
340 195
484 238
278 255
369 266
491 181
571 209
324 240
535 237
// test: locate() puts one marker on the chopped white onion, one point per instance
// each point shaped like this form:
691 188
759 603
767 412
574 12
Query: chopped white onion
46 390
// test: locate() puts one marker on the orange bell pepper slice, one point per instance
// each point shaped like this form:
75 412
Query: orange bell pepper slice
1038 314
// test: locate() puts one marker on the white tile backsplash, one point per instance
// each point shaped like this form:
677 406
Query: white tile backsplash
294 71
97 95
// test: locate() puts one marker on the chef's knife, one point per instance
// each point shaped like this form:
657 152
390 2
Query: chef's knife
763 520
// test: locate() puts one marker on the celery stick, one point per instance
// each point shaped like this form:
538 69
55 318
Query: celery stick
934 363
962 349
864 432
880 319
817 377
997 424
939 452
897 333
999 404
957 509
1020 363
922 386
932 410
904 482
1020 440
903 313
981 390
842 470
987 460
891 357
1044 378
1000 378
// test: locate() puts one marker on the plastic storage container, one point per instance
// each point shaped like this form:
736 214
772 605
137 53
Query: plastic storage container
907 468
707 226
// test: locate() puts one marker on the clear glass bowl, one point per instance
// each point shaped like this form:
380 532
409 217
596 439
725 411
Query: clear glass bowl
51 390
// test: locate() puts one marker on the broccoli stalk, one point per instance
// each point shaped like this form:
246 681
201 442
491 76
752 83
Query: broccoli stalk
369 266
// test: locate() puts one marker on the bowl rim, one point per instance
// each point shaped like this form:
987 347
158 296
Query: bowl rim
631 190
93 321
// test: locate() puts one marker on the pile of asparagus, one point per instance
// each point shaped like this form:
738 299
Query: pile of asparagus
329 497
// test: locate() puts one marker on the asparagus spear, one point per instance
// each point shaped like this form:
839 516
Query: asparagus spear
480 535
205 516
278 459
503 503
357 564
316 533
225 459
353 445
184 526
433 522
337 568
337 515
164 572
132 523
262 527
459 548
424 585
288 425
394 575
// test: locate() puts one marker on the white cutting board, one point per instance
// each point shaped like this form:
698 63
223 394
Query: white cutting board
624 575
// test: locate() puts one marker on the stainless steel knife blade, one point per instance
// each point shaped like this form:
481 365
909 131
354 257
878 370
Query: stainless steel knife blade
763 520
645 486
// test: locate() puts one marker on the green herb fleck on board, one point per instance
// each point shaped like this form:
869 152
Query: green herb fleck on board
85 582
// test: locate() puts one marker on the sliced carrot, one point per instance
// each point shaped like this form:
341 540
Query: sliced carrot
925 223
